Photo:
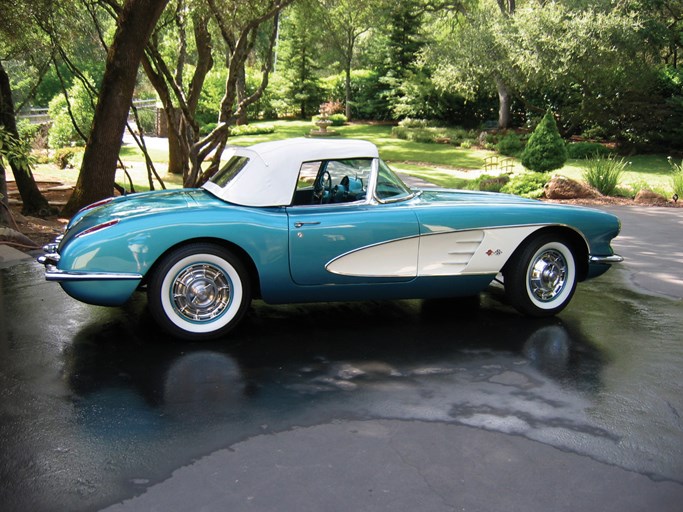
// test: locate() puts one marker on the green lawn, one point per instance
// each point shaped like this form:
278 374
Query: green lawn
653 170
442 164
447 166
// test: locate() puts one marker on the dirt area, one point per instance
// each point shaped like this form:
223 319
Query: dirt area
40 231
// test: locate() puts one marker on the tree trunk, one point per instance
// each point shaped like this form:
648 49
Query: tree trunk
241 94
96 179
503 104
347 91
33 200
177 157
4 202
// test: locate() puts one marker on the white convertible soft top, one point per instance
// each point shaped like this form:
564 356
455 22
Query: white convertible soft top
270 176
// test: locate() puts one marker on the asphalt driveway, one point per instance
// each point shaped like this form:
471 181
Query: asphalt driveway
651 240
353 407
412 465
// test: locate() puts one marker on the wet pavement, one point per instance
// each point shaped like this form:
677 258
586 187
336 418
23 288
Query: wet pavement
443 405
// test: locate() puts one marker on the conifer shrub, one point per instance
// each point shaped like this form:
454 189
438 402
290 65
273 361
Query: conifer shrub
545 150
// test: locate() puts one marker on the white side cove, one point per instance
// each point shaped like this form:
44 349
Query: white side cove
390 259
477 251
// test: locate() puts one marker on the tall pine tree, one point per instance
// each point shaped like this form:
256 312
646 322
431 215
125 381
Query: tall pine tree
300 48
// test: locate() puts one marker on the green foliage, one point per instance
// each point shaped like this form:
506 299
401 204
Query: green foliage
417 123
583 150
586 62
210 99
275 103
148 120
510 145
27 130
545 150
492 183
252 129
604 173
17 152
63 132
677 178
417 96
404 38
68 158
653 117
337 119
420 130
530 184
298 50
367 93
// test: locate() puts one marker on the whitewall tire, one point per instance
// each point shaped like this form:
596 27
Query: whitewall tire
199 291
541 277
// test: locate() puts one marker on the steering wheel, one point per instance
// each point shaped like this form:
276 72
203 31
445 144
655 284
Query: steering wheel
322 184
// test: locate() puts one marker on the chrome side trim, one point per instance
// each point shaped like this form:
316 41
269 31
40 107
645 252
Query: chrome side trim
52 273
606 260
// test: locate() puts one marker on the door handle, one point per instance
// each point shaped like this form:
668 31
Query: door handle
302 224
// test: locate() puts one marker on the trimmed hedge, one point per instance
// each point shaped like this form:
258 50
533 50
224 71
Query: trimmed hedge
583 150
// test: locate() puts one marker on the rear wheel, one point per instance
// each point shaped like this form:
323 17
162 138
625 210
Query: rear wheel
199 291
540 278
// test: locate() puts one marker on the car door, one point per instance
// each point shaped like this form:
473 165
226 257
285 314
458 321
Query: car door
352 242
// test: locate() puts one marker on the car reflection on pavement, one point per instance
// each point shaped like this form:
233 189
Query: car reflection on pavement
418 361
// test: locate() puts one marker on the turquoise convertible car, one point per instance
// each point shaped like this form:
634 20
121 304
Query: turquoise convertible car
306 220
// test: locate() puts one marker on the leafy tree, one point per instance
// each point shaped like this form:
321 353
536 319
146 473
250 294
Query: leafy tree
545 150
345 21
136 20
71 116
178 73
587 66
16 40
543 53
468 56
240 33
367 89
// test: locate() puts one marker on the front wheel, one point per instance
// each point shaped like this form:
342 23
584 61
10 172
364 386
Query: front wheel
199 291
540 279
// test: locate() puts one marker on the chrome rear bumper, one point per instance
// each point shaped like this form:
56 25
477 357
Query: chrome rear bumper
51 258
52 273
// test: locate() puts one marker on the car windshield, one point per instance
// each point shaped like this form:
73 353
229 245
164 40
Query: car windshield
389 186
231 169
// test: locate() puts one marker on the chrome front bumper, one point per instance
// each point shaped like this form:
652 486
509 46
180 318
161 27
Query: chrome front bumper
606 260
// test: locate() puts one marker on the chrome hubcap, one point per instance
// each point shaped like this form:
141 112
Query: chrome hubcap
201 292
548 275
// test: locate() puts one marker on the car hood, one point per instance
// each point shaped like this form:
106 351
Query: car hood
449 195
